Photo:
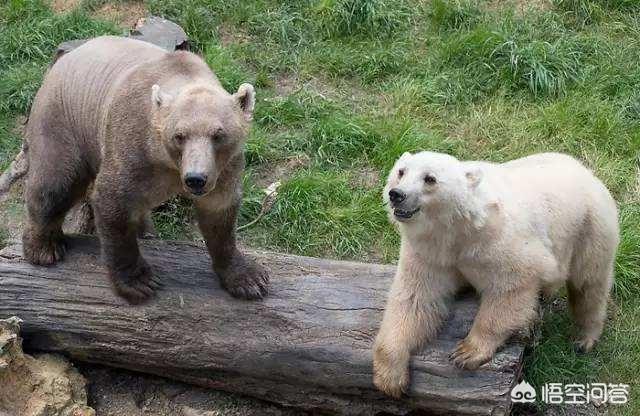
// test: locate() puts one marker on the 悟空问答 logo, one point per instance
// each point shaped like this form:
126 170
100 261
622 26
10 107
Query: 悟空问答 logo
523 393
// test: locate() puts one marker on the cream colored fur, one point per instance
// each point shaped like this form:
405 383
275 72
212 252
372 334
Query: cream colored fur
509 230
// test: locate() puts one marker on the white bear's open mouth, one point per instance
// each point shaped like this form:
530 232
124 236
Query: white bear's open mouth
404 214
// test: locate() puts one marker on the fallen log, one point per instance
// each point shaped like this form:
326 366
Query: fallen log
308 345
16 170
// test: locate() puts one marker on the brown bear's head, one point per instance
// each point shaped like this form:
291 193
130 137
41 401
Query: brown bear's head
202 128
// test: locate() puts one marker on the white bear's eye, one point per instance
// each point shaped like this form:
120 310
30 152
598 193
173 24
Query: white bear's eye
430 180
400 173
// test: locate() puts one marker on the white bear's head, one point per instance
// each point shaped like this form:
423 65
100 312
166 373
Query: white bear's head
430 187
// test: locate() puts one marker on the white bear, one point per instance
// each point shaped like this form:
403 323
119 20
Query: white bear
509 230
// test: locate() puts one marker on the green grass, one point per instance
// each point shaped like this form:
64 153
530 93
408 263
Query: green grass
4 235
29 34
346 86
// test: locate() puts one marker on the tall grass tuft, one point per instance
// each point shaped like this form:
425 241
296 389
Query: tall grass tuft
454 14
18 85
320 213
368 18
504 56
586 12
582 12
544 68
627 283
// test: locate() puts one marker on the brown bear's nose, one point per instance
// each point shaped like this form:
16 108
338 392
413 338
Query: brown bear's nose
195 181
396 196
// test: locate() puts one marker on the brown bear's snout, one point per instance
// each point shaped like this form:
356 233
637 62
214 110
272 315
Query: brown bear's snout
195 182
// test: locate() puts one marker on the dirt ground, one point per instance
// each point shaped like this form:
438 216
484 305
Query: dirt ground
61 6
42 385
125 14
123 393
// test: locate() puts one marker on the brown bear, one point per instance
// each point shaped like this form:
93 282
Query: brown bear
140 125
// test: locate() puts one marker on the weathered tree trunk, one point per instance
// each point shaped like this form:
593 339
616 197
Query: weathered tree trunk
16 170
307 345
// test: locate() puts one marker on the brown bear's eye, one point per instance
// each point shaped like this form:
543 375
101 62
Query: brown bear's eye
217 138
178 138
429 180
400 173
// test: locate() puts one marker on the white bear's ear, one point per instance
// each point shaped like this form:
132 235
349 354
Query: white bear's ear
246 97
474 176
405 155
158 97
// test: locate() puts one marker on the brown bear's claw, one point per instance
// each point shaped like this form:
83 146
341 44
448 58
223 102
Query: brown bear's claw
44 252
245 279
136 284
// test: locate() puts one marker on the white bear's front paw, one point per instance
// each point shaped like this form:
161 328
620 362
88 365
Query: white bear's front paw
390 375
471 354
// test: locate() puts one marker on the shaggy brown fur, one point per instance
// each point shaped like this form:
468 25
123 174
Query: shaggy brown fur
141 125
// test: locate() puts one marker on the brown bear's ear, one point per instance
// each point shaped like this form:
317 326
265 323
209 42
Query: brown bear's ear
246 97
158 97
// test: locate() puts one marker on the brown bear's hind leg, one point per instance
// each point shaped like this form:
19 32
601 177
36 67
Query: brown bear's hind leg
43 244
48 197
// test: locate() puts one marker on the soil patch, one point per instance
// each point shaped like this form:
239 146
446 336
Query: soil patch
34 386
61 6
124 14
123 393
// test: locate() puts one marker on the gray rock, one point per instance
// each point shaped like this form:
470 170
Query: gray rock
152 29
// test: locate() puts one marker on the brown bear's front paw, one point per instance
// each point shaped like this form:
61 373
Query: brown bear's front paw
389 377
470 354
43 251
135 284
244 278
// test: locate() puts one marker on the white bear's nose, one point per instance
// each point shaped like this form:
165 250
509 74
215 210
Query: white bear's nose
396 196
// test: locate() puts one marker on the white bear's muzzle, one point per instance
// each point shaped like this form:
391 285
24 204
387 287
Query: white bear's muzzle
403 214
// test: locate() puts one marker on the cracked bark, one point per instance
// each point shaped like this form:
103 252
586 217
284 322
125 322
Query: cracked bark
16 170
308 345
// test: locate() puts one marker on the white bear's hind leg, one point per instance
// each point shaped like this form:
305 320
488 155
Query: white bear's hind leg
591 278
588 304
